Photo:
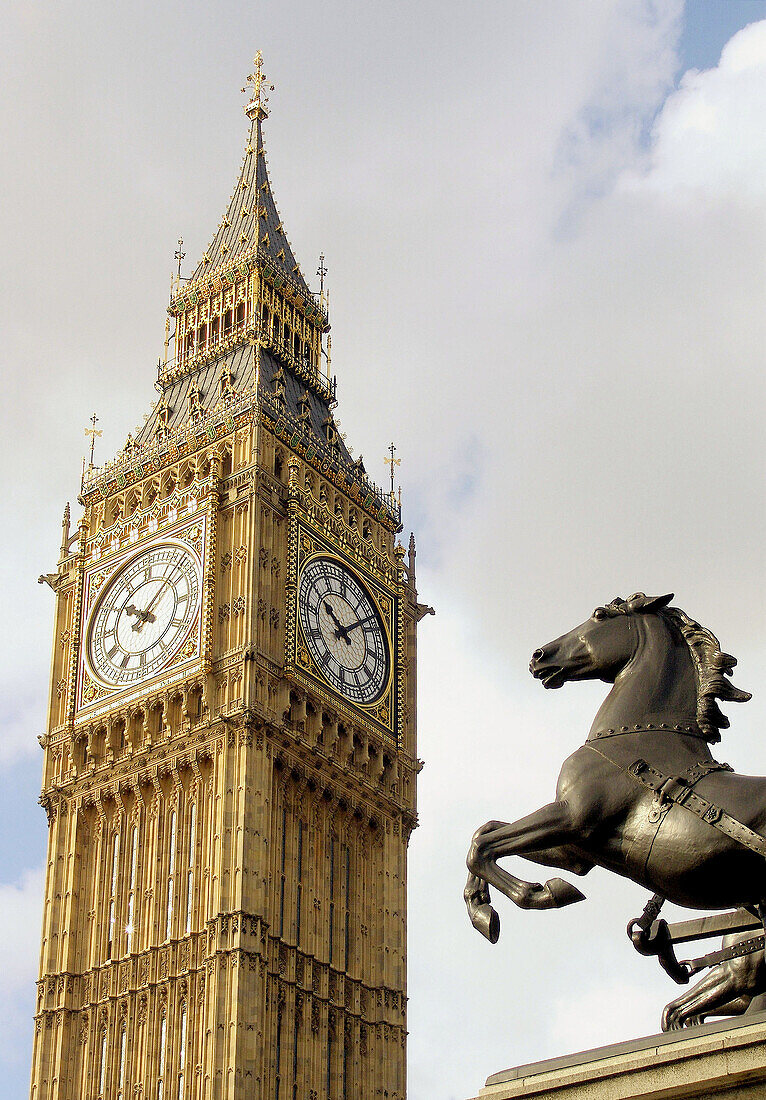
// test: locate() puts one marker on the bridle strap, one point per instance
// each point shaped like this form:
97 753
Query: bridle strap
691 729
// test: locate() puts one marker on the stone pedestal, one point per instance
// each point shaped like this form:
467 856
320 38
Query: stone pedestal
723 1059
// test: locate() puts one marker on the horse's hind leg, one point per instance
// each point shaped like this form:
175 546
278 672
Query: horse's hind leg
737 1007
563 857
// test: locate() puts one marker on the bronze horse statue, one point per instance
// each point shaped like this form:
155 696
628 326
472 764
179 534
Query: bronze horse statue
643 797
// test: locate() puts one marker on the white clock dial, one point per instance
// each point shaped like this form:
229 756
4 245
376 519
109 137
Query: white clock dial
343 630
144 614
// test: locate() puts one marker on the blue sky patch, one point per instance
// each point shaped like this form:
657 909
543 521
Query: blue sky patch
709 24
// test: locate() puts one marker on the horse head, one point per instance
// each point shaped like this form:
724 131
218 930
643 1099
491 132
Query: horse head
598 648
674 668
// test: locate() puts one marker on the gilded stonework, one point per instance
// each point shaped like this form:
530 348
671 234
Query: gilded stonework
91 690
228 827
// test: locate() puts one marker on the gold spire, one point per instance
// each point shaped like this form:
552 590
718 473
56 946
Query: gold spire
257 105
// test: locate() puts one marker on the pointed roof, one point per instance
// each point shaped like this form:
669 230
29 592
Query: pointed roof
251 220
251 234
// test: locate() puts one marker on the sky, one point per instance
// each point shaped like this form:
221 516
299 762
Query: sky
545 229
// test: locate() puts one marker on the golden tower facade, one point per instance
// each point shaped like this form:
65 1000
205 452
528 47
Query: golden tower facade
230 760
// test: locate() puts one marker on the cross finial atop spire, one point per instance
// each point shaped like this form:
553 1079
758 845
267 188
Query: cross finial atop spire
92 432
393 462
179 255
258 100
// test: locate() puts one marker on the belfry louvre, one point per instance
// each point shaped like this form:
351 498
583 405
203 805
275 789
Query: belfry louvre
230 761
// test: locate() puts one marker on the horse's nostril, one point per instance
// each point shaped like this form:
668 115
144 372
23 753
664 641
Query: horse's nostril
538 655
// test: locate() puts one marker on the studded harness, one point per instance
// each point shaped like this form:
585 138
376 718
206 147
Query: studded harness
678 790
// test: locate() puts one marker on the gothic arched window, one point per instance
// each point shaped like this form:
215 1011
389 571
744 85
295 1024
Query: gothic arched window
121 1070
182 1054
161 1063
190 865
171 875
114 865
130 923
102 1067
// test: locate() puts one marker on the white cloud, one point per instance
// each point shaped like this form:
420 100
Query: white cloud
620 402
709 141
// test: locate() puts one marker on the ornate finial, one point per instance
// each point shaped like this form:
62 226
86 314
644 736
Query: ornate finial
321 272
411 555
293 465
392 462
179 255
92 432
257 105
65 524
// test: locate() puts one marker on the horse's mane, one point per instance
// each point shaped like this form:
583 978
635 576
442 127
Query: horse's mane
711 664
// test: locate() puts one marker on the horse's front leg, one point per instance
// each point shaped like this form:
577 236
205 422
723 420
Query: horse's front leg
547 828
476 896
483 917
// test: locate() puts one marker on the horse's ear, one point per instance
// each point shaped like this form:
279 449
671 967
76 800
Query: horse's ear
655 603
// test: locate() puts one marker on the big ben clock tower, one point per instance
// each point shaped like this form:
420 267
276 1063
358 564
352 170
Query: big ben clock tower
230 759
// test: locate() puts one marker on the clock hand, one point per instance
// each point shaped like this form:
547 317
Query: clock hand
143 616
353 626
147 614
340 631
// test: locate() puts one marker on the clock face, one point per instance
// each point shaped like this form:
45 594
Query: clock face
144 614
343 630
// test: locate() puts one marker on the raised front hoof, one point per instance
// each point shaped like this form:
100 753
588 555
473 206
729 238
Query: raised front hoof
485 920
555 894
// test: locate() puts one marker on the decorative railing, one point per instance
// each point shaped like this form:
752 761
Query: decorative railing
298 436
199 290
176 368
142 459
179 366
